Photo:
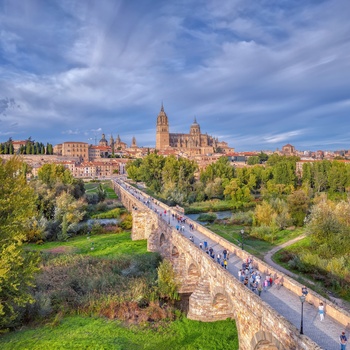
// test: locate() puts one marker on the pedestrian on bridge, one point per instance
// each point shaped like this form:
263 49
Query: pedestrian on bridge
304 291
321 311
343 341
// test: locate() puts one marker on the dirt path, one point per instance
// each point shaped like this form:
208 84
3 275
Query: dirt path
268 258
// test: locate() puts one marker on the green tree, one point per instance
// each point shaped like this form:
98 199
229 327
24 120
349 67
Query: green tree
298 205
50 174
253 160
168 286
68 211
264 214
17 266
263 157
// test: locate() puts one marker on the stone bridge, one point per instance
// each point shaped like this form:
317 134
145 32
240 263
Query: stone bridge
215 293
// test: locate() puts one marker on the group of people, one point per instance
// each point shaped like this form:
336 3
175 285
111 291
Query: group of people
221 257
248 275
251 277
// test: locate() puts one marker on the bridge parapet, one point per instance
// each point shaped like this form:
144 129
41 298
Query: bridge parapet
216 294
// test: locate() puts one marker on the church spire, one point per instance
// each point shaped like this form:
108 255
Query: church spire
162 107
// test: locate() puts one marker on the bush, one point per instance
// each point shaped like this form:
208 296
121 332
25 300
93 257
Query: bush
91 198
126 222
70 283
242 218
111 214
262 232
209 217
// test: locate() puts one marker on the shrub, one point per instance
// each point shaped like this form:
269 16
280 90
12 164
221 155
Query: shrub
111 214
208 217
262 232
242 218
126 222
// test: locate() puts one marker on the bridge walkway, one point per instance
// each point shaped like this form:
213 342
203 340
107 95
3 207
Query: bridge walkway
325 333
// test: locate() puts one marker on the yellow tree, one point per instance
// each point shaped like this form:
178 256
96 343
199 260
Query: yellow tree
17 267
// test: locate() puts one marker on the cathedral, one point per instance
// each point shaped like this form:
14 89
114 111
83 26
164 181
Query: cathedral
193 143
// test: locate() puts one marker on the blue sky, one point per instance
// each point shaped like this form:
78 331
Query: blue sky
257 74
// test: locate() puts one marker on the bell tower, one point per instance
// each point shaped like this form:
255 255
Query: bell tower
162 135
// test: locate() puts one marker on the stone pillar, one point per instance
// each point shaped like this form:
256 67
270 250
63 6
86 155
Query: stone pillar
200 303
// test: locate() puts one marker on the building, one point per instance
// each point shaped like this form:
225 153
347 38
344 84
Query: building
194 143
288 150
73 149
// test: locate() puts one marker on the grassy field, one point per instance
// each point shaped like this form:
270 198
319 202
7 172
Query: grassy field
91 187
256 247
206 206
314 275
97 333
105 246
76 330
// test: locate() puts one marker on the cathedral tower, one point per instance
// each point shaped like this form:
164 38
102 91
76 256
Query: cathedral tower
162 135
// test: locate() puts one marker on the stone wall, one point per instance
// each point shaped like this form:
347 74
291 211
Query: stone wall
331 309
215 293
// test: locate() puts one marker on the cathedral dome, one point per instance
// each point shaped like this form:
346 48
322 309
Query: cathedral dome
195 128
103 141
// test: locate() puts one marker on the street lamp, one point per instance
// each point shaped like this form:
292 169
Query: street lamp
242 233
302 299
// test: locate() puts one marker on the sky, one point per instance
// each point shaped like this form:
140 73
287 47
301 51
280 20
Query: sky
256 74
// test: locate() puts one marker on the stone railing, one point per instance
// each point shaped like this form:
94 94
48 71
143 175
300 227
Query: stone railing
331 309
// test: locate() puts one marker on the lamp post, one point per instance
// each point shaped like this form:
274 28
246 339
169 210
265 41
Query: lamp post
242 233
302 299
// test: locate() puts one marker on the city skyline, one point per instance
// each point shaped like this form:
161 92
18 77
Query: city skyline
255 75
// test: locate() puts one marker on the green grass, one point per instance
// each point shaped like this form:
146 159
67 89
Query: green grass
313 275
105 245
110 214
212 205
97 333
254 246
91 187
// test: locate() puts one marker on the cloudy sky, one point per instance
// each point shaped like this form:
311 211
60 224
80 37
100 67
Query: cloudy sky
257 74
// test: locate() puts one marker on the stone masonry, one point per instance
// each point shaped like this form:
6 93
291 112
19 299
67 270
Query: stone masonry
215 293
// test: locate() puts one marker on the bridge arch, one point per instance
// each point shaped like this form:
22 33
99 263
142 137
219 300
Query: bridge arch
175 252
193 274
222 307
162 239
266 341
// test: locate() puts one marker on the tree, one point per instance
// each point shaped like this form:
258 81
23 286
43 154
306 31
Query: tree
264 214
298 205
17 266
68 211
253 160
263 157
168 286
50 174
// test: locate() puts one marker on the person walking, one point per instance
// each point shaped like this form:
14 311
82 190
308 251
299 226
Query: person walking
343 341
304 291
266 284
321 311
259 289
